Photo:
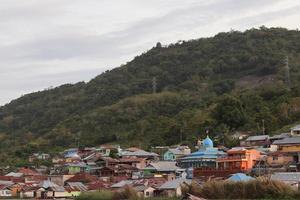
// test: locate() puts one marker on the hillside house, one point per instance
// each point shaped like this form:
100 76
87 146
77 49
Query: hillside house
173 154
239 159
256 141
295 130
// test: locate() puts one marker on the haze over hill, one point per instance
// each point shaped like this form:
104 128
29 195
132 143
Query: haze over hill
165 96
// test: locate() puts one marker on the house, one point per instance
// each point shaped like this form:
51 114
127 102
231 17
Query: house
28 172
14 174
239 159
280 159
139 163
98 185
279 137
205 156
162 167
29 191
39 156
118 170
256 141
173 154
122 184
140 154
74 168
144 191
290 144
290 178
82 177
107 149
174 188
74 189
295 130
5 191
106 162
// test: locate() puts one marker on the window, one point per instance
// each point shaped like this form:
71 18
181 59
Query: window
147 194
275 157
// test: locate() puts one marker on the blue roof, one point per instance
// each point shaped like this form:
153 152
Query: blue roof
205 153
208 142
240 177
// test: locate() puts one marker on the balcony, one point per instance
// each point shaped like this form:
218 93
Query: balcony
232 158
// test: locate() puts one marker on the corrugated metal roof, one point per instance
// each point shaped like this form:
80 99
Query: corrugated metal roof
257 137
139 153
163 166
174 183
289 140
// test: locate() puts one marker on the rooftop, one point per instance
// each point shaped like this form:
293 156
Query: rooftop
174 183
289 140
257 138
163 166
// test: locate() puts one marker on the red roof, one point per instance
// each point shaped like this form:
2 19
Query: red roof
82 177
97 185
12 179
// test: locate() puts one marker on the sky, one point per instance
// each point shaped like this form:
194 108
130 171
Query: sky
46 43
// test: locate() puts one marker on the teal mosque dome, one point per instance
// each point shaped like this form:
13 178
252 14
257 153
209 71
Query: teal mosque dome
207 143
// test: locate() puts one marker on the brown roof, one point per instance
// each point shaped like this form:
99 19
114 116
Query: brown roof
82 177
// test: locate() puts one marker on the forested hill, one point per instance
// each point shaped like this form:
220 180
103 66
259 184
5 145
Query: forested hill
168 95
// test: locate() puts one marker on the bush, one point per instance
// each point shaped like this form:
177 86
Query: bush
260 188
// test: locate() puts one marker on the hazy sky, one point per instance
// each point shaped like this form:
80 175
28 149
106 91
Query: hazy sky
46 43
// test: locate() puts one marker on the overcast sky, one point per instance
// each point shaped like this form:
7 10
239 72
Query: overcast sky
47 43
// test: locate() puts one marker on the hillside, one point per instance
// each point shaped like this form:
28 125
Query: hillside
168 95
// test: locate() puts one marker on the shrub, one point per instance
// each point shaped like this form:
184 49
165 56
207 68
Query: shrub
260 188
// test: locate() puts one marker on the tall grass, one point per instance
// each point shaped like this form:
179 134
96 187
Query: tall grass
255 189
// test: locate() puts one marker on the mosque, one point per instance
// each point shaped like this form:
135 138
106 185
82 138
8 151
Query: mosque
205 156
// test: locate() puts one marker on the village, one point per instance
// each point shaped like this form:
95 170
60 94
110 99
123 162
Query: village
162 172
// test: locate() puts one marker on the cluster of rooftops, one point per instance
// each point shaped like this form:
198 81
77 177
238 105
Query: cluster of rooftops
161 171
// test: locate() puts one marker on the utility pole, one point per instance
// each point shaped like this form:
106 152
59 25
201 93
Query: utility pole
154 85
287 73
263 126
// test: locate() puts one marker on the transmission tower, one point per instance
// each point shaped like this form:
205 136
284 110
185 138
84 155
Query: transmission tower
287 73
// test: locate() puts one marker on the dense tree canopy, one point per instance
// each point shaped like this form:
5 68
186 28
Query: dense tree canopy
233 80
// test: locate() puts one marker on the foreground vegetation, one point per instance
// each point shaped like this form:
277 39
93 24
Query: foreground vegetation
168 95
255 189
260 188
128 193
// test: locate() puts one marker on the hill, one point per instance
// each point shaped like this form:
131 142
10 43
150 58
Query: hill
168 95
